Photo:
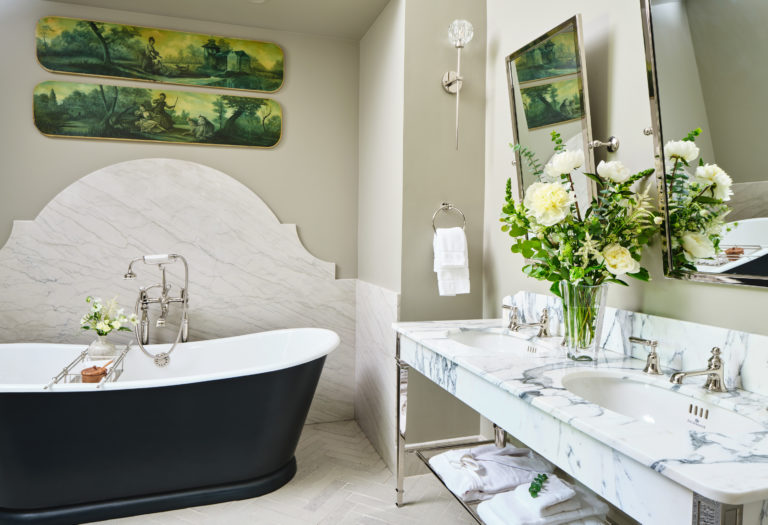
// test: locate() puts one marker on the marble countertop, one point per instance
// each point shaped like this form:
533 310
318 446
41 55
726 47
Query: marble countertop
726 468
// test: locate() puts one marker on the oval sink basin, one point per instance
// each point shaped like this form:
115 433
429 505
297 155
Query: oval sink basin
493 341
668 409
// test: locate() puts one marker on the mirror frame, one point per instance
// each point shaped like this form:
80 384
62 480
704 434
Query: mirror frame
586 122
661 176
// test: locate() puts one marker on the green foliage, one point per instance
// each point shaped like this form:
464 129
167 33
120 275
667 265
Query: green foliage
573 248
537 484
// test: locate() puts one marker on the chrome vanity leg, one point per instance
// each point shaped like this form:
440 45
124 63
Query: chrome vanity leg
499 436
401 413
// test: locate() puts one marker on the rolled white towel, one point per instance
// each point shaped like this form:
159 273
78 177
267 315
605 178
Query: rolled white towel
450 246
502 509
479 473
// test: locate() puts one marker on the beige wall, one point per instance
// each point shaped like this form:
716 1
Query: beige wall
680 93
731 44
619 99
380 198
309 179
434 171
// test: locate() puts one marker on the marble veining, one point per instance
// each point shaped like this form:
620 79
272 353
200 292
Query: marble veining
248 272
727 468
376 309
683 345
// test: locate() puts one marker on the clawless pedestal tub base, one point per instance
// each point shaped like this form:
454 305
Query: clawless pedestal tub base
120 508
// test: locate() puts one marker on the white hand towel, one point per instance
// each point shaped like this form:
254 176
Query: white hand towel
477 474
556 496
451 261
453 281
450 246
502 510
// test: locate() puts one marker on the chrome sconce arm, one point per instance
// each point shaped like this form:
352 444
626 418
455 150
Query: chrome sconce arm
460 32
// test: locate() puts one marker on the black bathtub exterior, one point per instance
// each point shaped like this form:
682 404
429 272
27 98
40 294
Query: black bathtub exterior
73 457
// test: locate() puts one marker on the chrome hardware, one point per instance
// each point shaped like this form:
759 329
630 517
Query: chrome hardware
612 145
652 363
714 372
164 299
448 207
648 131
515 325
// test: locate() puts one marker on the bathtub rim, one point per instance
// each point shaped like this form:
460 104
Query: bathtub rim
322 350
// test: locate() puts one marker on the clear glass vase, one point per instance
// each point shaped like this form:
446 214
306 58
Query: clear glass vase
101 349
583 312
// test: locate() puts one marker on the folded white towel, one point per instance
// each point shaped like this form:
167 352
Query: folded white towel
453 281
502 510
450 246
480 472
556 496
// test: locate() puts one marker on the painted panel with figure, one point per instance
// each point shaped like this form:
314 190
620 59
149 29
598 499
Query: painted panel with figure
79 110
84 47
552 103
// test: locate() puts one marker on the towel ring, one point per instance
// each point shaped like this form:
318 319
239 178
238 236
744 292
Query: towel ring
448 207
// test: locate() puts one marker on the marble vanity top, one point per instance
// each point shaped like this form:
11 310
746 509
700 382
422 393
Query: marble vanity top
726 468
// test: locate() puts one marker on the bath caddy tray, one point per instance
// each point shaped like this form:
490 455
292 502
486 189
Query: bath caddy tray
71 373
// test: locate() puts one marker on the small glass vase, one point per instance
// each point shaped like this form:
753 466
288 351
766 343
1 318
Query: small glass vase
100 348
583 312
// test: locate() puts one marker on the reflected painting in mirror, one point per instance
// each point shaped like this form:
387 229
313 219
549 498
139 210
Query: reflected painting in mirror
707 80
548 94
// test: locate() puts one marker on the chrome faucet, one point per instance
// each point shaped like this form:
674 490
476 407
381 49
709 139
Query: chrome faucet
652 363
164 299
515 325
714 372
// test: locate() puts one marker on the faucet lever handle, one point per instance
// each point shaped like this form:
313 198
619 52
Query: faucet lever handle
652 363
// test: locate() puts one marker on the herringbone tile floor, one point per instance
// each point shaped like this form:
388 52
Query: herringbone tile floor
340 481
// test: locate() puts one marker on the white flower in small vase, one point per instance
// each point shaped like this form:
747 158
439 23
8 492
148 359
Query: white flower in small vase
697 246
614 171
681 149
618 260
713 175
548 202
563 163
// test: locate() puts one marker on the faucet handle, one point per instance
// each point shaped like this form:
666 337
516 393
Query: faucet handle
544 323
652 363
715 361
514 316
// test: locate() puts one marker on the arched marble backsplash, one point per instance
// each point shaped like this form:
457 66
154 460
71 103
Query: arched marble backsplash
248 272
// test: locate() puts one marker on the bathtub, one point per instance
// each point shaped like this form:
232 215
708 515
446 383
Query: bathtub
220 422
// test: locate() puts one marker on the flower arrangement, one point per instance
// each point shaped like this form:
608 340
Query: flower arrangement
695 203
104 318
563 243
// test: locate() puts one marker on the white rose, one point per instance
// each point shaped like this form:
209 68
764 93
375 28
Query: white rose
658 219
614 171
618 260
116 324
103 326
548 202
563 163
697 246
681 149
713 175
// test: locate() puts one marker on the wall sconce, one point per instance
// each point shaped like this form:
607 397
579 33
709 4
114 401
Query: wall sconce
460 32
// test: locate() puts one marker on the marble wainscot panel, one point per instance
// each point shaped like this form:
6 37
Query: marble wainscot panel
649 472
377 308
682 345
248 272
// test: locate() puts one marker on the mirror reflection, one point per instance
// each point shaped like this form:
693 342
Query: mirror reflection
710 96
548 93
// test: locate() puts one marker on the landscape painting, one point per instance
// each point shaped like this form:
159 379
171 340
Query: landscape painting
69 45
553 102
556 56
71 109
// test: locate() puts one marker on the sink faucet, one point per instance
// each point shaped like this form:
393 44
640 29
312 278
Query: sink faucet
652 363
714 372
515 325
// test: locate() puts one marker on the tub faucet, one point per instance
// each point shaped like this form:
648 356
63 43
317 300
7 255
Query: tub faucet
163 298
714 372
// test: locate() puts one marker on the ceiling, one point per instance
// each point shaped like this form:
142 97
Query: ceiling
339 18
